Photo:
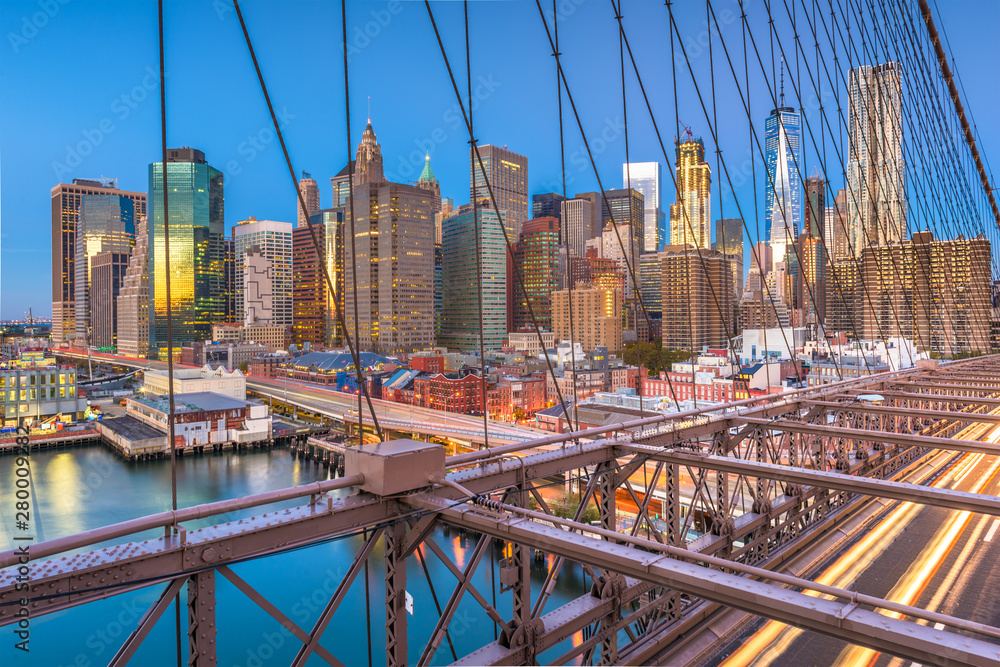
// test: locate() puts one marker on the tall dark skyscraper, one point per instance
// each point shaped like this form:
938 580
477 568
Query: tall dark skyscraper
196 208
547 205
66 200
815 207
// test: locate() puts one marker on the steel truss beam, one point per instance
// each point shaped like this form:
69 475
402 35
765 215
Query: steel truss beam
59 584
976 386
904 639
942 398
899 411
880 488
932 442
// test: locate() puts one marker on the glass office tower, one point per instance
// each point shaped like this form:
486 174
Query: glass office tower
197 279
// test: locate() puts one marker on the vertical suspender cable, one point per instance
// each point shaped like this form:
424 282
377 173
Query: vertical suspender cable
170 329
478 231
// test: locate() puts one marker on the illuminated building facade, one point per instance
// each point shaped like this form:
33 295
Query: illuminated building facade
697 294
105 225
507 172
691 215
537 259
66 200
394 258
196 208
308 285
596 316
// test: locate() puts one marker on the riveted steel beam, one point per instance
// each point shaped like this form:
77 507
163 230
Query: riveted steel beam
881 488
849 621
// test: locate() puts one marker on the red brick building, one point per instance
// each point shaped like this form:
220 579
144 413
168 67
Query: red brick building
428 363
461 394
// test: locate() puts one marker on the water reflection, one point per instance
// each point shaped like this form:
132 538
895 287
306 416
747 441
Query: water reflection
90 487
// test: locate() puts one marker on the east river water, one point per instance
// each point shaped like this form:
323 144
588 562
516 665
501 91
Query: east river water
79 489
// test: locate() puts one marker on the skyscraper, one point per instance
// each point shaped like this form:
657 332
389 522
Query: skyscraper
578 224
835 230
729 236
460 317
66 199
627 207
507 172
341 184
394 258
537 259
597 318
815 207
133 298
230 313
274 240
308 285
651 282
547 205
106 271
692 213
332 222
368 163
697 296
876 172
105 224
196 208
427 181
310 195
938 294
257 287
645 177
782 185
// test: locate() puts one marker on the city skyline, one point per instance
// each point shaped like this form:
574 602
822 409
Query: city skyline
248 154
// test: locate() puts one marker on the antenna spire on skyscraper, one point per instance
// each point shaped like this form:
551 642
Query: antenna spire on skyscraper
782 82
369 109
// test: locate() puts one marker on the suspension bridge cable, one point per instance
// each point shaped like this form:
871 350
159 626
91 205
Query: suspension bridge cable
478 233
288 162
503 228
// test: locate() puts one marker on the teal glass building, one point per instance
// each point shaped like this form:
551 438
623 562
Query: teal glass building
197 255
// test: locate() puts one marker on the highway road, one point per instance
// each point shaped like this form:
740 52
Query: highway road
343 407
929 557
397 416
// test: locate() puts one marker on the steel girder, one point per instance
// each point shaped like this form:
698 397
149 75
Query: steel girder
880 488
901 411
58 584
904 639
858 435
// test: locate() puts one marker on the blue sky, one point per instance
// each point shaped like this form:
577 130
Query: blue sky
81 99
